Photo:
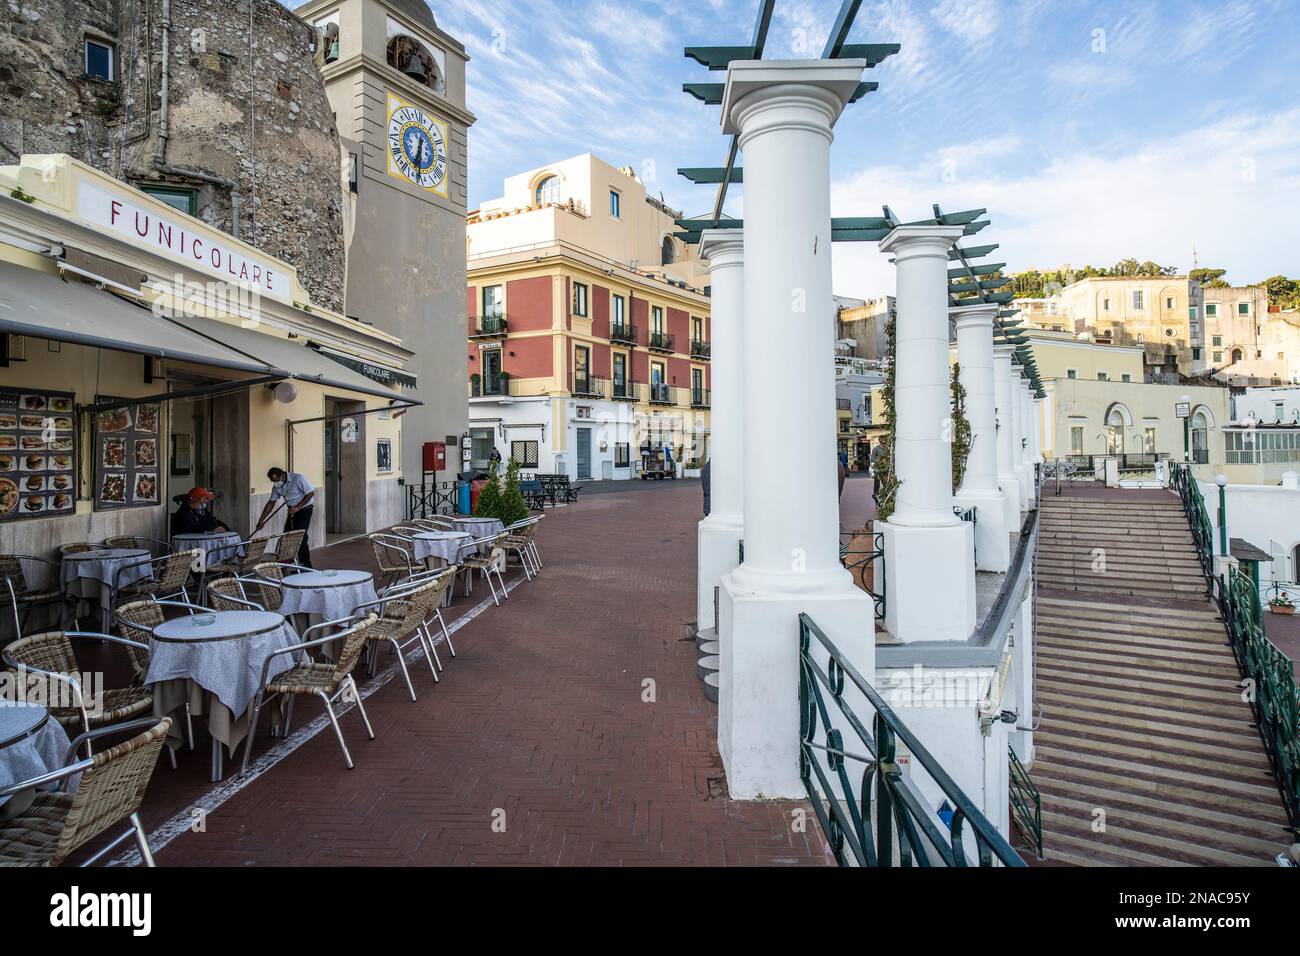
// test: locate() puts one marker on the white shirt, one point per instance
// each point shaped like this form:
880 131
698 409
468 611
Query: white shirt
293 489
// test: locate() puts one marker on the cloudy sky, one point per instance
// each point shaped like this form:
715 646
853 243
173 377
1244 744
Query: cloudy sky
1092 130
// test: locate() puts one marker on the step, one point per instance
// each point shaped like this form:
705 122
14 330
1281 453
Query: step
1164 845
1238 716
711 687
1092 852
1127 773
710 647
1197 613
1129 640
1263 827
1157 737
706 635
1242 765
1180 723
1139 689
707 665
1135 628
1177 660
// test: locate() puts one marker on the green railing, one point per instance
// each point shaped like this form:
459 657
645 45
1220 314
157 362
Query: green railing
1026 804
1269 675
903 819
862 563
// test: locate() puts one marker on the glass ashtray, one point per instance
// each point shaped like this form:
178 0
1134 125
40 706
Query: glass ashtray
330 573
204 620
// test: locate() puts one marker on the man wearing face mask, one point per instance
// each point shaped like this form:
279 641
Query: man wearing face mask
298 494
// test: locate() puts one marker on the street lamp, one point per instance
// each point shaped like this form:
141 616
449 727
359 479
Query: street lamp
1222 482
1183 409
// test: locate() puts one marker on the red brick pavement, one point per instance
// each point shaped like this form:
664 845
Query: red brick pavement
539 721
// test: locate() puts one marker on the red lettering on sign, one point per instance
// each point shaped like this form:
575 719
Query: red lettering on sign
114 210
138 231
195 249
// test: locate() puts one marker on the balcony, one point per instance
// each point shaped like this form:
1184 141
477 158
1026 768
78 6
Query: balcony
624 390
662 394
699 398
700 349
623 333
489 327
661 342
589 386
494 386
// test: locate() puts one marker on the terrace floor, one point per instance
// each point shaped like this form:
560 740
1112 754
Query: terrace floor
537 748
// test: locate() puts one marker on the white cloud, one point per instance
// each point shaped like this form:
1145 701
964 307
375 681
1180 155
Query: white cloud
1222 187
974 21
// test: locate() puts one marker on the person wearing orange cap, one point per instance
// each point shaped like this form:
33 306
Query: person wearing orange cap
194 517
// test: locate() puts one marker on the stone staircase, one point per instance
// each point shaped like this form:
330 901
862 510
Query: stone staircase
1143 725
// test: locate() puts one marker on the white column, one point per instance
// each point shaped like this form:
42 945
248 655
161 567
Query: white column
929 561
1015 415
979 487
783 112
719 535
1026 455
1008 477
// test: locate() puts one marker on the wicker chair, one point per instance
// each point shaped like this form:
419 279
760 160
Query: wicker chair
17 593
264 586
329 682
137 541
254 554
436 523
171 576
51 655
75 547
230 594
490 550
393 555
443 579
110 791
519 539
286 549
401 624
136 621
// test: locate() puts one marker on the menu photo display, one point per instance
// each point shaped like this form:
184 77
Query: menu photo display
37 453
126 465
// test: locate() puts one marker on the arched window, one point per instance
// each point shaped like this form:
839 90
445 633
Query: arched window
1237 356
667 252
1200 438
414 59
1115 432
548 190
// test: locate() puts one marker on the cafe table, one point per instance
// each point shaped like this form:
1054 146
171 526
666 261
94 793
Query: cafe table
217 546
314 597
91 575
479 527
213 661
32 743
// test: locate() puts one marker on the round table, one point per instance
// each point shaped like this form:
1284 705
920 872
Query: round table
480 527
449 546
314 597
214 661
90 575
31 744
217 546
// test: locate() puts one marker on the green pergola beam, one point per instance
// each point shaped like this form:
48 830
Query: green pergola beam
710 94
971 252
986 286
718 57
873 53
710 175
962 272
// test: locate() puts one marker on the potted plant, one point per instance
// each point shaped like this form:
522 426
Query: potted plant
474 382
1280 603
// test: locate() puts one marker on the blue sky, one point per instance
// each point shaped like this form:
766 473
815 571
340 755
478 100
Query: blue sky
1091 129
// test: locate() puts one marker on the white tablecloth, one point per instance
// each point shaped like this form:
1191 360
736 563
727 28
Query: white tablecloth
33 755
450 546
327 595
102 565
480 527
224 657
216 547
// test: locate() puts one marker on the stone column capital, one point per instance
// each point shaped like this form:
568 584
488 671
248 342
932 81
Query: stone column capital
722 248
974 316
766 95
907 242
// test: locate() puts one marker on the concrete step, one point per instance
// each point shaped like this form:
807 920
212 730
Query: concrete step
1167 845
710 647
706 635
1245 765
711 687
1155 736
1174 660
1235 726
1133 639
707 665
1125 775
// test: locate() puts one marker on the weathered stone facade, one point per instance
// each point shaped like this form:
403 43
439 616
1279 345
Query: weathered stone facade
247 124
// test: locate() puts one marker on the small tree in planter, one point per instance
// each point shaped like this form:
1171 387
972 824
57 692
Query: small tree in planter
504 378
512 505
961 430
489 498
474 383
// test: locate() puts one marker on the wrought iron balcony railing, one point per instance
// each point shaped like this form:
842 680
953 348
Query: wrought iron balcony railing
701 349
661 342
489 326
623 332
589 387
903 818
492 386
699 398
661 394
624 390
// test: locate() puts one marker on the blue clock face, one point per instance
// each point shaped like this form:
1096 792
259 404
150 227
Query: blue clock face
418 147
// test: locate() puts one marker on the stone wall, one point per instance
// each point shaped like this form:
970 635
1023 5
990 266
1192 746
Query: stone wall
249 125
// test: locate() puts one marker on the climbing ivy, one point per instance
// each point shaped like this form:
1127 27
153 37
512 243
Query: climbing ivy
961 431
886 481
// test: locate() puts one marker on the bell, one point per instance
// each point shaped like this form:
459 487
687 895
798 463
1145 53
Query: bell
414 68
333 53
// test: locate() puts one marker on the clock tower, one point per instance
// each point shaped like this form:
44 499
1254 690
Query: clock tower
396 82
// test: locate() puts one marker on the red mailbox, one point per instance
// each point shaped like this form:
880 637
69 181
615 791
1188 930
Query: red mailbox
435 456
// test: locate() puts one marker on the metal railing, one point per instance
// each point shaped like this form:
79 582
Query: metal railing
434 498
1026 803
863 564
1268 674
902 818
661 342
492 386
623 332
624 391
699 398
486 326
701 348
589 387
661 394
972 515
